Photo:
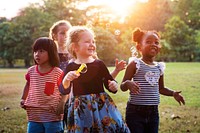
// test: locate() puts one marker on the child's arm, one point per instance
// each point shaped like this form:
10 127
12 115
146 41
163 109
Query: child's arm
168 92
69 77
61 105
113 86
119 66
127 82
24 95
65 86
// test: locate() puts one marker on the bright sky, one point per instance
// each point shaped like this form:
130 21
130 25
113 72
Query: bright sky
10 8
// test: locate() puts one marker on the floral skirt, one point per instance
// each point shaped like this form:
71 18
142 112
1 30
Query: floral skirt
94 113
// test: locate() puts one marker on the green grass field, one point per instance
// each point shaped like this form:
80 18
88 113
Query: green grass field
173 118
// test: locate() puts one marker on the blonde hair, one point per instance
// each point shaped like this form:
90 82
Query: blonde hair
73 36
54 28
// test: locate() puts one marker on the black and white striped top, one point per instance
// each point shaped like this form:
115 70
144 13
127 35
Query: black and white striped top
148 78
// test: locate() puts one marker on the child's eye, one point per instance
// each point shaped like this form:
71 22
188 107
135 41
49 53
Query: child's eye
148 42
41 50
157 43
87 41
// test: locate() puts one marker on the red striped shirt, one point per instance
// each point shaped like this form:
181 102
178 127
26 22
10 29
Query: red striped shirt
44 95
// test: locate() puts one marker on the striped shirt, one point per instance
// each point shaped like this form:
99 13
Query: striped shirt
148 78
43 96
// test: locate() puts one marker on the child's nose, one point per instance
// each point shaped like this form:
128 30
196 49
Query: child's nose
92 44
36 53
154 44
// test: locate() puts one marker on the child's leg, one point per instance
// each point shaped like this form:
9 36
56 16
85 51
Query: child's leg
54 127
134 121
35 127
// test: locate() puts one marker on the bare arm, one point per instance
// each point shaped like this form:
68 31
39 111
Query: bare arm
119 66
61 104
25 91
168 92
24 95
127 82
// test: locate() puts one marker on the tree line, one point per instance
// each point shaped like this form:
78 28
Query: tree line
178 22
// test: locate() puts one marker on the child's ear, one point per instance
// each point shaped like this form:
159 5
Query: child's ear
74 47
54 37
138 47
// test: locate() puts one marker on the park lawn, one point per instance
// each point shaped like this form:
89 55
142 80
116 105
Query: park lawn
173 118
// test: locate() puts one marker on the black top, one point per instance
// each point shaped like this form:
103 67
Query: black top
91 82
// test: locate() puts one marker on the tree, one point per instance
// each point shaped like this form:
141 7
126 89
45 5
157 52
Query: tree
6 43
197 50
189 10
124 48
31 24
181 39
106 45
66 9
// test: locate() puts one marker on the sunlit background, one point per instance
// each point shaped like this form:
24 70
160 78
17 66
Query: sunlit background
113 21
10 8
22 21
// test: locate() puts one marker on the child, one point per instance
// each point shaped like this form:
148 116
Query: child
144 78
58 32
91 109
41 95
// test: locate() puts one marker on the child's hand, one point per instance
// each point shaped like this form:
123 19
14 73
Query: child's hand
178 97
22 104
133 87
113 86
71 76
61 104
119 66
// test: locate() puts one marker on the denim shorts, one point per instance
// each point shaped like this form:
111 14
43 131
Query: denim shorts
142 118
45 127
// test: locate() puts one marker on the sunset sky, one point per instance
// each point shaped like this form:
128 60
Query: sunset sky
10 8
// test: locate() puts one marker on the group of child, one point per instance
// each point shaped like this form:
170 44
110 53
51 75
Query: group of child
58 96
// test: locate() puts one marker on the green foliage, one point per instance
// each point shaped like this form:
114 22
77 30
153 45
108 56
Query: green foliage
106 45
126 44
7 51
179 34
181 39
31 24
65 9
188 10
165 52
197 50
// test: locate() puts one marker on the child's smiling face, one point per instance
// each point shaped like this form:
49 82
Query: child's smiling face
150 44
86 44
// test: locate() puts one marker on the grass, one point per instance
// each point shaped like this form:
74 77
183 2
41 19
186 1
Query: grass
179 76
